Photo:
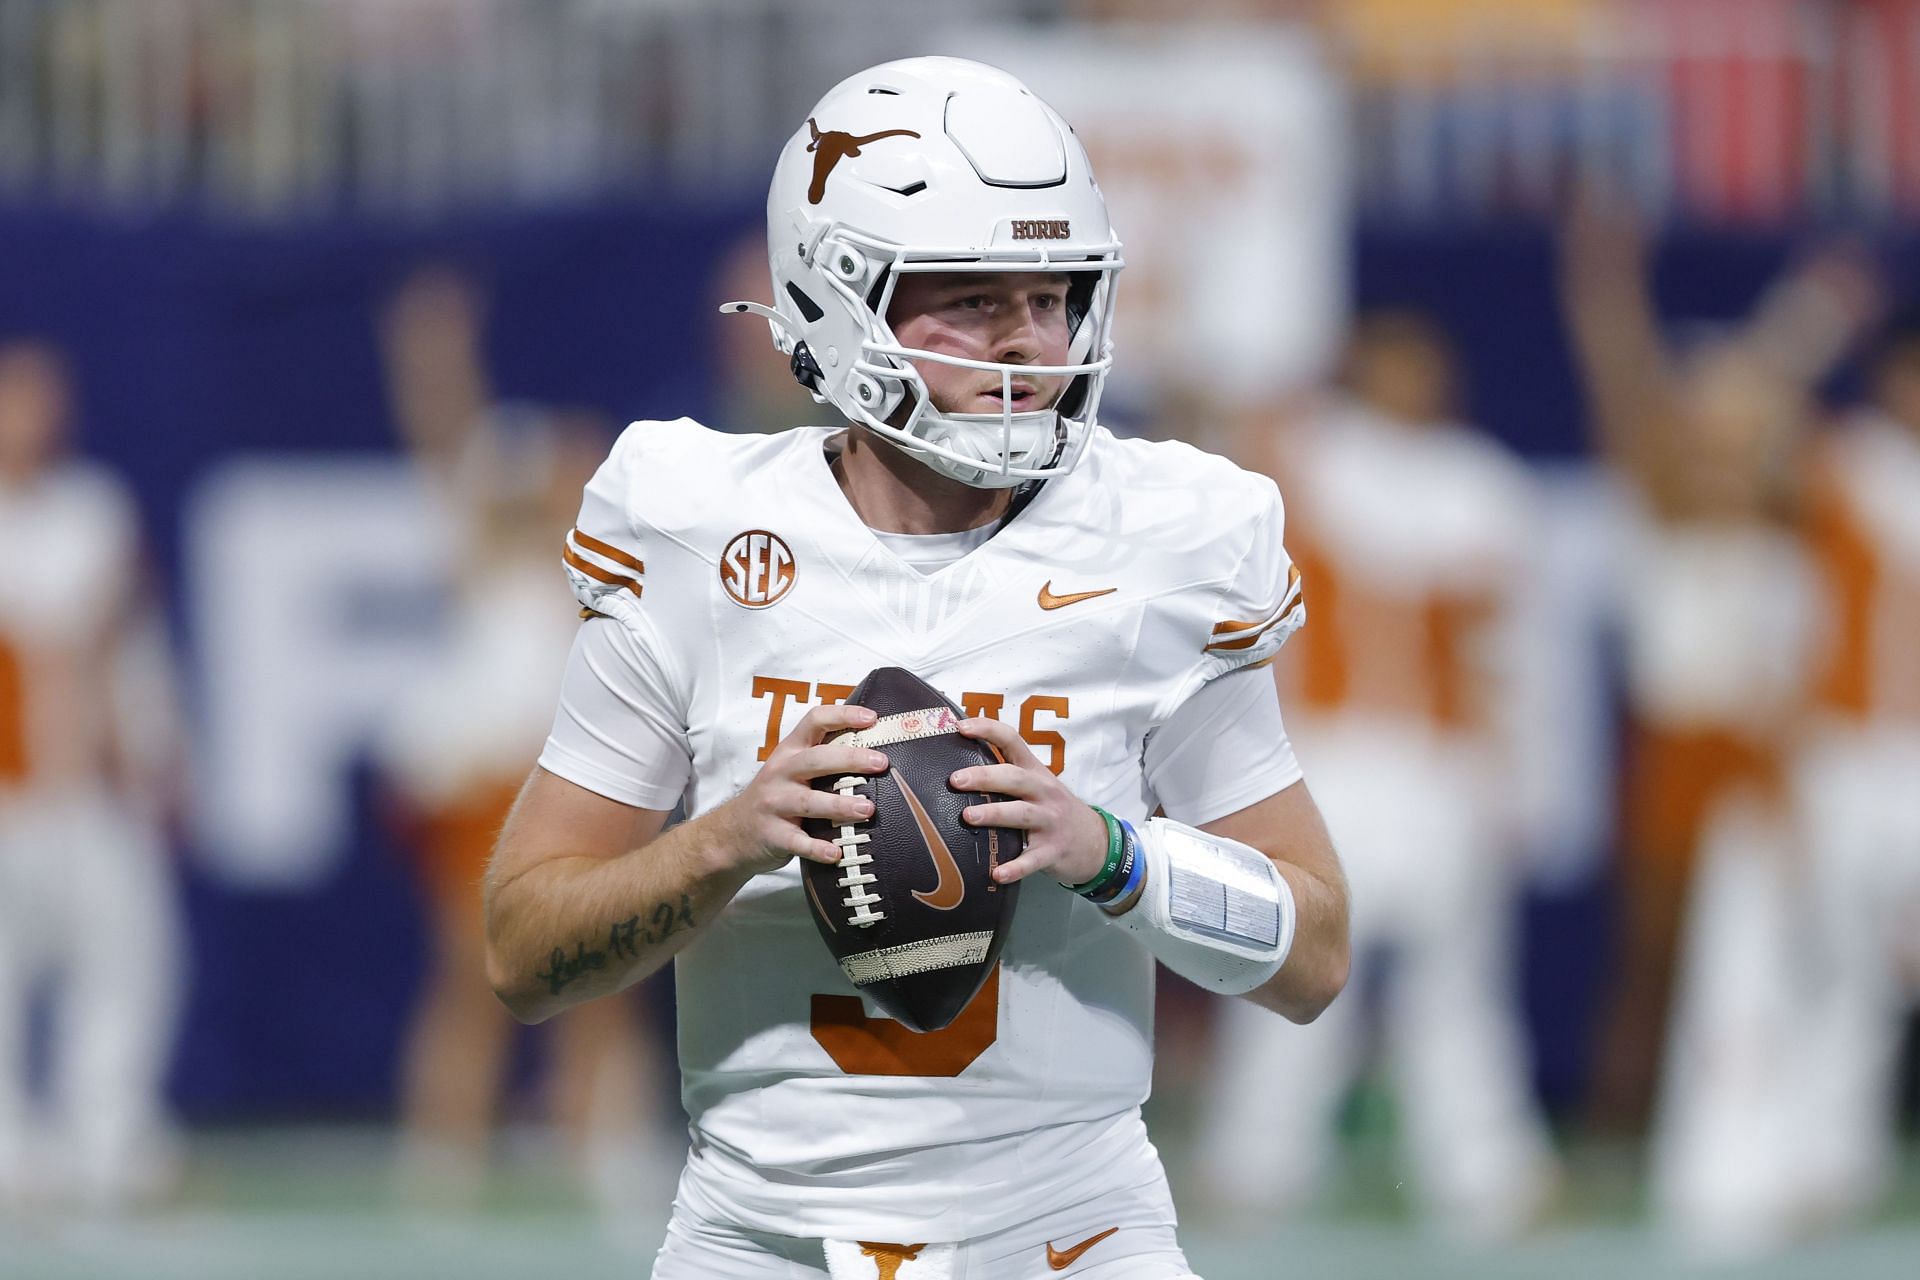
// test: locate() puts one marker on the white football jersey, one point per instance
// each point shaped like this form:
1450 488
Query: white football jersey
475 718
1415 538
74 524
749 591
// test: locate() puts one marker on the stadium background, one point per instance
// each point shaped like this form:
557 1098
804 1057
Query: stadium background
206 207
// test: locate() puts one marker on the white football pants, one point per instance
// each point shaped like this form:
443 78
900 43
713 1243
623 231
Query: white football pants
1778 1103
87 917
1124 1236
1428 883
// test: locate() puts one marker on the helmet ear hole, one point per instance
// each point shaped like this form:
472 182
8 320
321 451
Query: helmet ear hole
809 309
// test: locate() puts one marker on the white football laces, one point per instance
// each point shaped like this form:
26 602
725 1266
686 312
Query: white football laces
852 860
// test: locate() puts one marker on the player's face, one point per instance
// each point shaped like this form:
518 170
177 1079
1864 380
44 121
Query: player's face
1012 317
1400 364
33 408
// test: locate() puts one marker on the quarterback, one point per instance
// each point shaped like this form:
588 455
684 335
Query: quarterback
1102 610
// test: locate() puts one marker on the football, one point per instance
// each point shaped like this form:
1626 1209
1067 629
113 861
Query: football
911 911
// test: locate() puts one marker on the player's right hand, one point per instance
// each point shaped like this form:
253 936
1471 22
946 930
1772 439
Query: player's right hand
762 824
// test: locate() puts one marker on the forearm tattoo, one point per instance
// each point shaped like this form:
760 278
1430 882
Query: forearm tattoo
624 941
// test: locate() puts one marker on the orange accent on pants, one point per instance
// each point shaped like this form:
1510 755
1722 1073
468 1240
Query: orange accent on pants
13 716
1674 781
888 1258
454 842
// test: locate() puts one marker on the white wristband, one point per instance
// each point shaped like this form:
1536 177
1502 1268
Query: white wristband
1213 910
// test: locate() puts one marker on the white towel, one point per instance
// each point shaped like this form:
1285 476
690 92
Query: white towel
867 1260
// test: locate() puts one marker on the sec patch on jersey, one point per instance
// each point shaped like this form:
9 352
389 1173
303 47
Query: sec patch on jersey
911 911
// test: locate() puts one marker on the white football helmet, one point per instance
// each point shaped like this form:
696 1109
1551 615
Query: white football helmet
937 164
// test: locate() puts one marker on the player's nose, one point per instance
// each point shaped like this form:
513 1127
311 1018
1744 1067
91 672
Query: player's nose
1019 341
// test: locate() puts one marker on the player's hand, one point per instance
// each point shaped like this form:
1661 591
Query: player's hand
762 824
1064 836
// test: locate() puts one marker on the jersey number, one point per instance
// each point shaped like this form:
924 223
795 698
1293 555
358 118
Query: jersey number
863 1046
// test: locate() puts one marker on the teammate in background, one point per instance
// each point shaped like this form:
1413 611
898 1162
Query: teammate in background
90 763
1413 532
1719 609
944 273
1853 791
506 479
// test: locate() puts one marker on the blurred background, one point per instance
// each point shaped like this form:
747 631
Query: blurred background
1582 335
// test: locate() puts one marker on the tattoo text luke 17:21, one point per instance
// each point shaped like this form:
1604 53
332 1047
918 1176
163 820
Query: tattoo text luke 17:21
624 940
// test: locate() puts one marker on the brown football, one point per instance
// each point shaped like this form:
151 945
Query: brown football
911 912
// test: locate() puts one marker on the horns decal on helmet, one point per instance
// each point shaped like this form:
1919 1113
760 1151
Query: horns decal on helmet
831 148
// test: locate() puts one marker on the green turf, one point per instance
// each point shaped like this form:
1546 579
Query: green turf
299 1203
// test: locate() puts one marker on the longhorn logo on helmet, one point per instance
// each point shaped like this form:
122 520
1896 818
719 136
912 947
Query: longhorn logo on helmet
830 148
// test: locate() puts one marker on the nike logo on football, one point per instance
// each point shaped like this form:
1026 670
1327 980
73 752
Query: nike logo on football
1061 1259
948 892
1048 600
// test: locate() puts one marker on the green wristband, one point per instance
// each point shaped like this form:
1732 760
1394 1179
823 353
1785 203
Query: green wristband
1116 850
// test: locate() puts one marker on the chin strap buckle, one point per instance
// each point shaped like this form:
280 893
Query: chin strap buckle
806 370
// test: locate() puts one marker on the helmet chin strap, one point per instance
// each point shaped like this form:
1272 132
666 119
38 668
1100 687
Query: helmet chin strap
956 431
973 435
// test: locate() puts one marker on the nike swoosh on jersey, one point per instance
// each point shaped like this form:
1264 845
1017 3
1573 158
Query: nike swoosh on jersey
1048 600
948 892
1061 1259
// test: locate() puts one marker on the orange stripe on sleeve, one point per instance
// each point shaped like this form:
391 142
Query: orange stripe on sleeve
595 571
1248 641
1286 605
1225 638
608 551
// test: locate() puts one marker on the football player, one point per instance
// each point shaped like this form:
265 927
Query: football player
1715 603
89 757
1102 609
1852 787
1413 529
1750 657
503 478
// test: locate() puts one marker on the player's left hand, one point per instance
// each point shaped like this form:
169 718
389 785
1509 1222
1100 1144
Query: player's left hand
1063 835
